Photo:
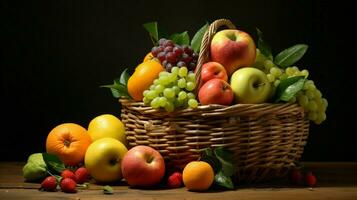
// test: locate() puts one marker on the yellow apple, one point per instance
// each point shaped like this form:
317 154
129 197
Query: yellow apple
103 159
107 125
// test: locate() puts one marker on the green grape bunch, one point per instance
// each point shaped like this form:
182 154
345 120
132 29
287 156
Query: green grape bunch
172 90
309 97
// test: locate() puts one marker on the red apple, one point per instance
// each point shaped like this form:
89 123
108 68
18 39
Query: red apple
216 91
213 70
143 166
233 49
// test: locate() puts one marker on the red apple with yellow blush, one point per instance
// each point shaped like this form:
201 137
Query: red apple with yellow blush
233 49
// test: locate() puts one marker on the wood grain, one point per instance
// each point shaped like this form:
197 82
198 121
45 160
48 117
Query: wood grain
335 181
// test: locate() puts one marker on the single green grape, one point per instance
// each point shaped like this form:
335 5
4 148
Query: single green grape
276 83
146 100
275 71
172 77
145 92
151 94
159 88
155 102
181 83
169 93
305 73
182 95
163 73
310 94
191 95
183 72
175 70
312 106
191 77
271 77
169 107
190 86
192 103
156 82
162 101
176 89
268 64
303 100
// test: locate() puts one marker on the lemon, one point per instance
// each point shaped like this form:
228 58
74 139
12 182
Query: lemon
107 125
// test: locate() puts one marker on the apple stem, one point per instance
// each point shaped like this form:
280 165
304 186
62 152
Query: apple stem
259 84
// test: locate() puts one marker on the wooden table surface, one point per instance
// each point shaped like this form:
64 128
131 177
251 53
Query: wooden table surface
335 181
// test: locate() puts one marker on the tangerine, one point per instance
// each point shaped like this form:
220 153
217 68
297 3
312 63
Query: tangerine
197 176
144 75
69 142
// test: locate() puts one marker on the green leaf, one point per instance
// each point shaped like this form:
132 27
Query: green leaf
197 38
118 90
263 46
152 28
226 158
180 38
53 163
124 77
223 180
290 55
288 88
209 157
108 190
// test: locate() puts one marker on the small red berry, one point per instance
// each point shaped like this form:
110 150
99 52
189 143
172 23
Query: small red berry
49 184
310 179
174 180
68 174
296 177
81 175
68 185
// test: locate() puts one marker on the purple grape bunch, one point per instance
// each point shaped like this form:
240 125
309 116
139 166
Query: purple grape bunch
171 54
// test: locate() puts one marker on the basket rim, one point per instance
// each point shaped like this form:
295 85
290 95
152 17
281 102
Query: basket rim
219 110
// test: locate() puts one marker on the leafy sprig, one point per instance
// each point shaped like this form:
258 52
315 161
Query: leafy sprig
179 38
120 86
287 88
223 164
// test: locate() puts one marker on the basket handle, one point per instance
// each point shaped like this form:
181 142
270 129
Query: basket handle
205 46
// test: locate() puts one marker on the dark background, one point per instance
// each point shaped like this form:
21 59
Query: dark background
56 54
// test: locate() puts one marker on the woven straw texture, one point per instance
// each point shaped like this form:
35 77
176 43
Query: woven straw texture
266 139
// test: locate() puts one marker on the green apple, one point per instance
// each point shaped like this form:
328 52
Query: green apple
250 85
103 159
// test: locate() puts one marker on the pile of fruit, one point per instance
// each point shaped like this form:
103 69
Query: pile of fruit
238 73
76 156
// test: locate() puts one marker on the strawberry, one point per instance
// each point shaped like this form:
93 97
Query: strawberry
68 185
68 174
310 179
174 180
81 175
49 184
296 177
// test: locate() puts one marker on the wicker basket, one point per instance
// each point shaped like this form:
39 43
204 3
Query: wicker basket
266 139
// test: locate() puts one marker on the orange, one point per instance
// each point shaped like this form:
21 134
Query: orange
197 176
69 142
148 56
143 77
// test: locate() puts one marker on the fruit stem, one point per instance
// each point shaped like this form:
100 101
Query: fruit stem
67 143
149 159
259 84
